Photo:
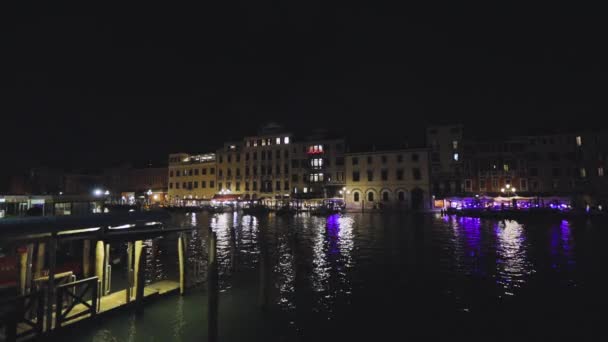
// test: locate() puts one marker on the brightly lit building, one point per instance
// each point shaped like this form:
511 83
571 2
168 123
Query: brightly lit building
388 180
275 165
192 178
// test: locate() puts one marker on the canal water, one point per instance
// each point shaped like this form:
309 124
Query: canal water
368 277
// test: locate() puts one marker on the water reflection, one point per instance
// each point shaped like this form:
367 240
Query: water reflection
512 264
320 270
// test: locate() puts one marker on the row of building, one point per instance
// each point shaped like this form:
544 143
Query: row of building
275 165
278 165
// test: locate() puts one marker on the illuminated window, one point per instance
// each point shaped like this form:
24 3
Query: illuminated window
286 140
305 190
583 172
315 177
263 142
268 141
579 141
255 143
315 149
600 171
316 163
506 167
455 144
456 156
278 141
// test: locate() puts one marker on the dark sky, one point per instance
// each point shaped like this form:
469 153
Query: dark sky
137 83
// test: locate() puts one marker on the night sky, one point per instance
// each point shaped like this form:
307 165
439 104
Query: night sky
137 83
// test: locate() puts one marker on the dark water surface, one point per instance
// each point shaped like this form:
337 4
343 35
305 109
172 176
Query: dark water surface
368 277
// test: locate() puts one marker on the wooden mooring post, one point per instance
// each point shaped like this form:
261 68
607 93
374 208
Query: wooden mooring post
212 287
181 251
141 280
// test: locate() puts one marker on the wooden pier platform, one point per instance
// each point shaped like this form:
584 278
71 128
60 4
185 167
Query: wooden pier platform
114 301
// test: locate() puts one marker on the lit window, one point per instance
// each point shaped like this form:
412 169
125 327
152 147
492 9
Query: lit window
286 140
456 156
305 190
579 141
583 172
255 143
263 142
315 149
600 171
315 177
506 167
316 163
455 144
278 141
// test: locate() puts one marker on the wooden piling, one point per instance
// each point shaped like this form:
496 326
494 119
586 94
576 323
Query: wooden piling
100 265
22 270
129 270
212 288
181 249
106 267
40 259
137 256
141 277
51 282
86 258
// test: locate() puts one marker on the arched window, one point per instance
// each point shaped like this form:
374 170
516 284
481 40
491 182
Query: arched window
356 197
401 196
385 196
370 196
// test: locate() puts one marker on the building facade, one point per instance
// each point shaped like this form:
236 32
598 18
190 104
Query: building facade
445 143
192 178
390 180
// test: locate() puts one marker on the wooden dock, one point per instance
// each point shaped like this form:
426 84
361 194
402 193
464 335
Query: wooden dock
114 301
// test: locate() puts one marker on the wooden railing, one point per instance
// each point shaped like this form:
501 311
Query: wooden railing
25 310
68 298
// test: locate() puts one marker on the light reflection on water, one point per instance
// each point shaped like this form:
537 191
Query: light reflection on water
319 265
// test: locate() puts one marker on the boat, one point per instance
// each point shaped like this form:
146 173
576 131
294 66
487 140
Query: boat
256 210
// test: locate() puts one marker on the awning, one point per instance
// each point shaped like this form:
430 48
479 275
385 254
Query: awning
226 197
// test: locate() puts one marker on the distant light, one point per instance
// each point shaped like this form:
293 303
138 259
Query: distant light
456 156
61 192
278 141
513 189
97 192
107 192
286 140
155 197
